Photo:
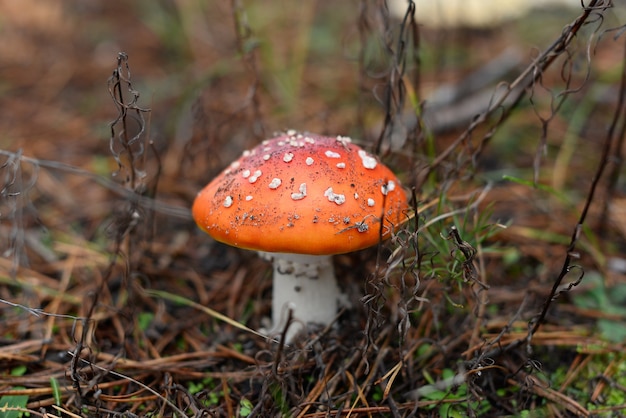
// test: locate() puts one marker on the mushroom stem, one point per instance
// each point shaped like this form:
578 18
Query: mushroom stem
306 284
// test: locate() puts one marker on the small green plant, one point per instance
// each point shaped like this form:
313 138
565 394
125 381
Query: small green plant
609 301
56 390
144 320
13 406
213 396
245 407
454 398
279 399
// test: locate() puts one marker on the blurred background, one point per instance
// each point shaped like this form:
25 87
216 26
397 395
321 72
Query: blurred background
114 114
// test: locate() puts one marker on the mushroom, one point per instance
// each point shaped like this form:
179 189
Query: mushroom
299 198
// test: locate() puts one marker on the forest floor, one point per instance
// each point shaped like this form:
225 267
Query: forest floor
503 294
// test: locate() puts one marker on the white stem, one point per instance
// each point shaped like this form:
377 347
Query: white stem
307 285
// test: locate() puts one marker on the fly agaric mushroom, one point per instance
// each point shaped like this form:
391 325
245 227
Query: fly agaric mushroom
300 198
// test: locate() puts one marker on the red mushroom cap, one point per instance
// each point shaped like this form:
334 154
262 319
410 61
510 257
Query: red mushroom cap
304 194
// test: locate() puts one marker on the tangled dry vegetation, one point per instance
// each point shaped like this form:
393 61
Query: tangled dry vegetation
502 294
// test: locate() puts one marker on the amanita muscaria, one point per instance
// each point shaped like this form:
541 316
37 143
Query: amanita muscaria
299 198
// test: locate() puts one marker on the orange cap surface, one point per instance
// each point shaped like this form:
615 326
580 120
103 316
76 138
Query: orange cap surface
302 193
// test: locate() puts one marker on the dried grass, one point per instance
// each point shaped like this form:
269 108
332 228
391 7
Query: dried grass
114 304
